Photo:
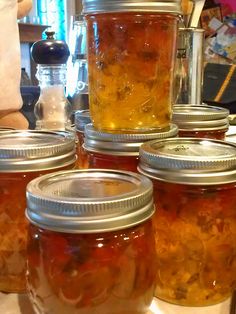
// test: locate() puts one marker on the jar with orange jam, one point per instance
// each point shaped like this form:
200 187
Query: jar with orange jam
91 243
82 117
118 151
201 121
195 221
131 53
24 155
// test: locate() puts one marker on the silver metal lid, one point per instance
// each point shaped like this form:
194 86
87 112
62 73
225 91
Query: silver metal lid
36 150
82 117
101 6
125 144
189 161
89 201
198 117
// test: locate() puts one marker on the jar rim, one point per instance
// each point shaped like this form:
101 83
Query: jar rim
197 113
107 6
34 150
196 161
121 144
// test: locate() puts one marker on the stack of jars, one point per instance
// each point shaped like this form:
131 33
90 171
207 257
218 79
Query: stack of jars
92 245
131 52
95 242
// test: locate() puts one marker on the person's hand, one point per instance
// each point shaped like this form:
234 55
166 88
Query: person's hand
14 120
24 7
10 99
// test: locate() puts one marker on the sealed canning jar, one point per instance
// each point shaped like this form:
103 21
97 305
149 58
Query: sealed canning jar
24 155
195 222
201 121
131 54
118 151
82 117
91 243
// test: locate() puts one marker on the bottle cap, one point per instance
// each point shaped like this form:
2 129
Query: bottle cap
50 50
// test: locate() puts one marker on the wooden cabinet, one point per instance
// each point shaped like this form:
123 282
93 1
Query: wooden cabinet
29 33
78 6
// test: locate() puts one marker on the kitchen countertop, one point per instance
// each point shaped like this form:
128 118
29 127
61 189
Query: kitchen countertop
19 304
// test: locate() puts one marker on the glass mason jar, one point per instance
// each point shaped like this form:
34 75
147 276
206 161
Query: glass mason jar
131 55
88 235
201 121
118 151
195 222
82 117
24 156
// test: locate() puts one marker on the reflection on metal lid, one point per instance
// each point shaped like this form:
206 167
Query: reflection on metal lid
121 143
165 6
189 160
33 150
197 117
89 200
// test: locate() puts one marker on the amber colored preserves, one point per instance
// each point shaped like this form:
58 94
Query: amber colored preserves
13 229
104 273
105 161
195 242
214 134
82 156
130 59
13 182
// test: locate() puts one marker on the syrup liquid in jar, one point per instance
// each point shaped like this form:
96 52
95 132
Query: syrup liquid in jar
24 155
201 121
87 256
118 151
195 221
131 55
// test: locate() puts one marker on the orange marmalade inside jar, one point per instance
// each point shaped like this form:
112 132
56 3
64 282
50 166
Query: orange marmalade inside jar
130 60
195 221
195 243
88 255
24 156
214 134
